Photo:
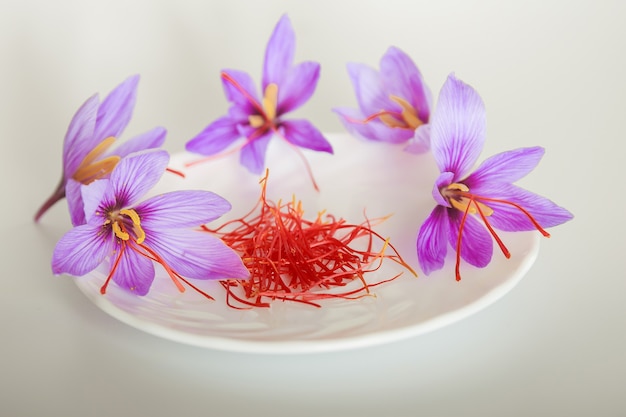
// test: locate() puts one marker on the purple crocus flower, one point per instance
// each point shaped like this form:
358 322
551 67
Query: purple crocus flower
394 104
86 149
135 235
285 88
486 196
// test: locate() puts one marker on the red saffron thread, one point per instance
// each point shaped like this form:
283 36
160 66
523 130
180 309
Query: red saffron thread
474 199
294 259
175 172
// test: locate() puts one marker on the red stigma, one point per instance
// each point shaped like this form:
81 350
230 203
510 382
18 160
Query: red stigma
459 196
147 252
294 259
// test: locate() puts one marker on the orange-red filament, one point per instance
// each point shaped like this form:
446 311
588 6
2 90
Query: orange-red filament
125 224
291 258
462 199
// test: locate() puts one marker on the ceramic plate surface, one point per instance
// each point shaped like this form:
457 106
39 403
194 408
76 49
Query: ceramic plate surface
379 179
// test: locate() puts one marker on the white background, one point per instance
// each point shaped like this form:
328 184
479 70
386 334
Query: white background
550 72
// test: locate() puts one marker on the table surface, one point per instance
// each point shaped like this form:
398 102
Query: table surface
550 73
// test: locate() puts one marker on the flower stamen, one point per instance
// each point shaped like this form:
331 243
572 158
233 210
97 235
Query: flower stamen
119 227
406 119
89 171
409 113
460 198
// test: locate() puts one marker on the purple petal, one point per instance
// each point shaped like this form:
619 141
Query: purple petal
80 139
476 243
420 142
75 202
302 133
96 196
253 153
195 254
444 179
181 209
81 250
136 174
134 272
298 86
506 167
369 89
509 218
240 90
149 140
402 78
457 128
432 240
279 53
352 119
117 109
215 137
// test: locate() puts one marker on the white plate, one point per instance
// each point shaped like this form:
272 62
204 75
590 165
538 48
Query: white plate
360 175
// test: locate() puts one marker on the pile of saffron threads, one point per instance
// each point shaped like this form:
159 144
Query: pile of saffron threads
294 259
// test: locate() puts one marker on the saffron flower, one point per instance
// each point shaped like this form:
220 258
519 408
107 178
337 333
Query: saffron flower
131 236
87 154
485 196
394 104
285 87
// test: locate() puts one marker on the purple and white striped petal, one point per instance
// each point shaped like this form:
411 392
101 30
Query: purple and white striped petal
298 86
215 137
279 53
151 139
457 128
506 167
476 241
81 250
80 139
432 240
181 209
368 88
509 218
402 78
136 174
116 109
303 134
241 91
420 142
74 198
444 179
95 197
253 153
195 254
134 272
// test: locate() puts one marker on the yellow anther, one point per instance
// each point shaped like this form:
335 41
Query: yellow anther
458 186
256 120
464 203
141 235
89 173
119 232
88 170
408 118
409 114
97 151
391 121
270 101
